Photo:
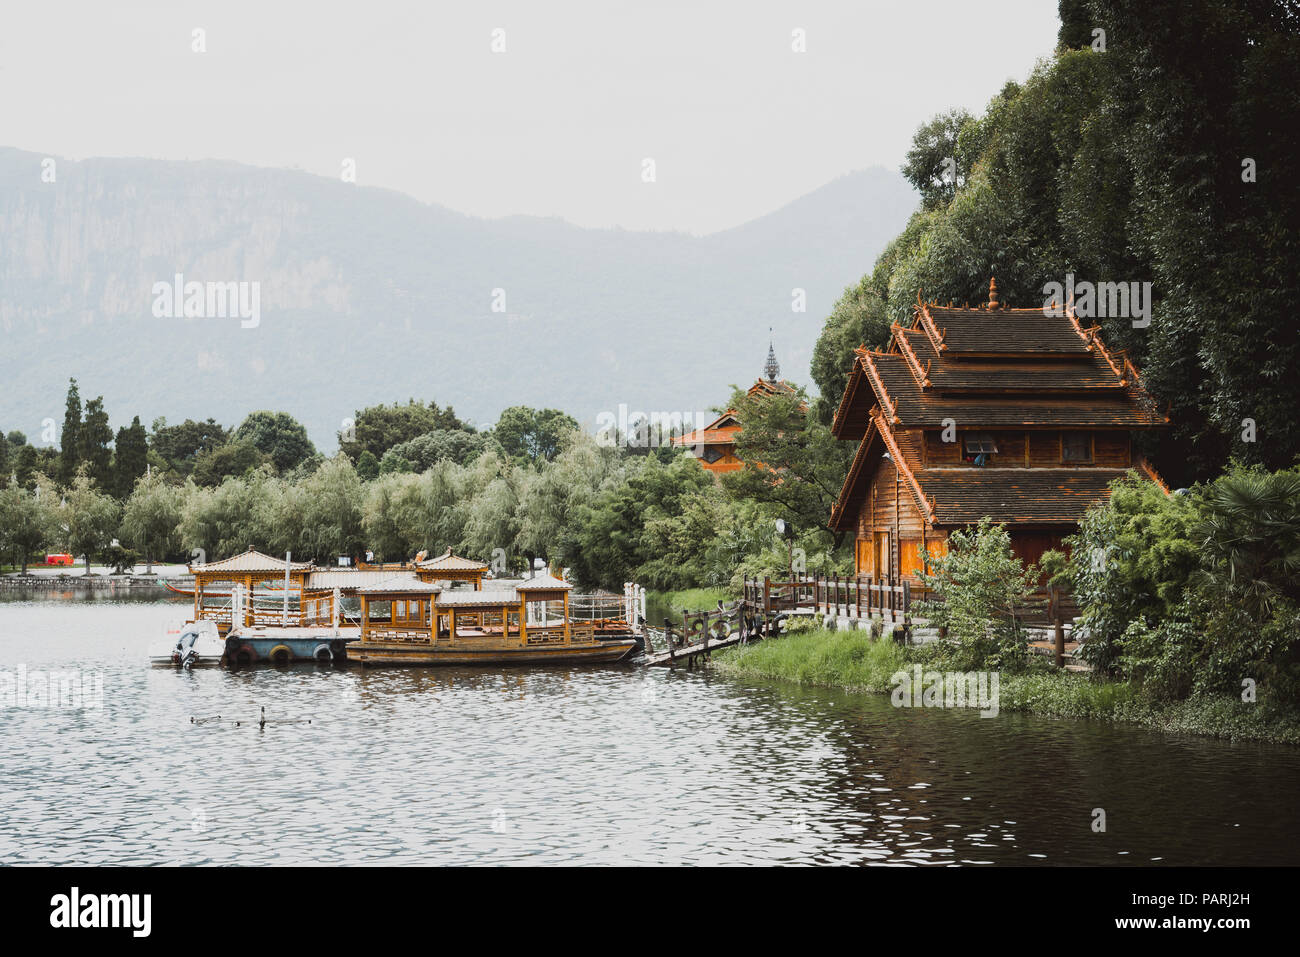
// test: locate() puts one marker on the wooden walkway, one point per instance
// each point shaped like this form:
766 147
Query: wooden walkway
703 632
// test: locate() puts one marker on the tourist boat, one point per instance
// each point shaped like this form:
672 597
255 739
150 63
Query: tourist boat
193 643
408 621
430 611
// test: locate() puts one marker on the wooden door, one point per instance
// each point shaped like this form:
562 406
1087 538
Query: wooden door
864 557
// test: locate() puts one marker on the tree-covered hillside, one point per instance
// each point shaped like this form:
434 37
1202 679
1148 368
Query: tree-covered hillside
1158 144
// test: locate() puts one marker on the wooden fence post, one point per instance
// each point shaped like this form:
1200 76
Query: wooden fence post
907 610
1058 621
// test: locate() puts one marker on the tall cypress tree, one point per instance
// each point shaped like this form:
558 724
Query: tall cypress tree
129 458
71 436
96 434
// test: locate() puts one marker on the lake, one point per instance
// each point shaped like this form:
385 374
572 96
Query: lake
581 765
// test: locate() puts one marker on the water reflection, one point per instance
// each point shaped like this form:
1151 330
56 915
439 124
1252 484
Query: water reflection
586 765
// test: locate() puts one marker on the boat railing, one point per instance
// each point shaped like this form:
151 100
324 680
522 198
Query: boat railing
542 635
385 632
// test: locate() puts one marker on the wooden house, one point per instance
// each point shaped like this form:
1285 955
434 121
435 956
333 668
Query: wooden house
1015 414
715 444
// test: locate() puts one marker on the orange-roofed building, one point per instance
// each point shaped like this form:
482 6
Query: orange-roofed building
715 444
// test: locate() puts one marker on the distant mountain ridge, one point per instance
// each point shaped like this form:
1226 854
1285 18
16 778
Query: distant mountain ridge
368 295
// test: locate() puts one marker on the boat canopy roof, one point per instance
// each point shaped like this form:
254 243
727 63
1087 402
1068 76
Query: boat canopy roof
544 583
400 585
250 561
449 562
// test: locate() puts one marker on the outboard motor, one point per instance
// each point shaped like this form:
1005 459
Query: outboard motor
185 654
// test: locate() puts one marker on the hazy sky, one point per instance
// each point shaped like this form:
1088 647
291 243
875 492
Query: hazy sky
737 123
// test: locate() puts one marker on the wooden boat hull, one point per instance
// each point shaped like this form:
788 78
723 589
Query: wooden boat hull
372 653
272 645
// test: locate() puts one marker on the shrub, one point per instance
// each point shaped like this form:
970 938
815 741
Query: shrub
983 589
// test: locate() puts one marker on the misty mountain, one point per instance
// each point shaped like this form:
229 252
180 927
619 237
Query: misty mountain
367 295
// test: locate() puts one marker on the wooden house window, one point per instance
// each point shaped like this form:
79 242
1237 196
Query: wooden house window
978 446
1076 447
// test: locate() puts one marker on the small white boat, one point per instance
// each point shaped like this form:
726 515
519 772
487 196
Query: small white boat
194 643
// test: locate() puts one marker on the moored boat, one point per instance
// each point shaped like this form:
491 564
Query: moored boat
406 621
194 643
272 644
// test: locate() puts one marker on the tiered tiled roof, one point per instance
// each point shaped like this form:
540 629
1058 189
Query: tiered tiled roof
1020 496
988 367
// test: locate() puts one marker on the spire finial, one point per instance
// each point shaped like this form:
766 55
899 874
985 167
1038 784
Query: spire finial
993 293
771 368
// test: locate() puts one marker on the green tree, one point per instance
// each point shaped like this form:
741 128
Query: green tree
378 428
89 517
26 519
1131 558
94 439
533 434
130 457
235 458
152 516
367 465
441 445
181 445
933 164
332 511
983 591
277 435
24 465
70 437
793 463
1077 24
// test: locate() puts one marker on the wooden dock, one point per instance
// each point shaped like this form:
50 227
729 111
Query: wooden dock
703 632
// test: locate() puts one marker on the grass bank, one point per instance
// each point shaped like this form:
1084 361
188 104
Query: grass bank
851 661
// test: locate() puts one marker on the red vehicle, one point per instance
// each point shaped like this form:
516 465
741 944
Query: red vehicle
59 560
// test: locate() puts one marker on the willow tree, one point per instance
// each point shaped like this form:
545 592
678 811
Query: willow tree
152 516
89 517
27 520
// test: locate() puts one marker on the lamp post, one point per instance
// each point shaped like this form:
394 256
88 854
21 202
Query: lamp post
786 530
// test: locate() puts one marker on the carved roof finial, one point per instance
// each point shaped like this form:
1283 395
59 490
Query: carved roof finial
993 293
771 368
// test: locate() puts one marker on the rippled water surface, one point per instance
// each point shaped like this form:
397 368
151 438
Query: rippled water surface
592 765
